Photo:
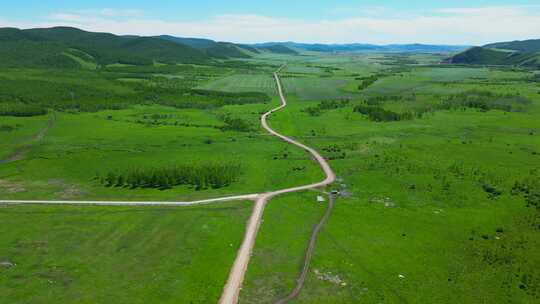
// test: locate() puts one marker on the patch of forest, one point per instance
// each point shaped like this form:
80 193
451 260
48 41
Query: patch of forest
30 97
200 176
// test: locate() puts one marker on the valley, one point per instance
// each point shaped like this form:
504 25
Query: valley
434 167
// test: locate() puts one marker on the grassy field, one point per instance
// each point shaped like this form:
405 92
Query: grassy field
130 254
63 164
276 259
429 213
244 83
438 165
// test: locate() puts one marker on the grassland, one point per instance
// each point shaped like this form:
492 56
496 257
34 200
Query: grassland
86 142
63 164
420 220
132 255
244 83
275 261
431 209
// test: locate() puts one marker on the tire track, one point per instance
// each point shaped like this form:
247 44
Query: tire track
21 152
309 253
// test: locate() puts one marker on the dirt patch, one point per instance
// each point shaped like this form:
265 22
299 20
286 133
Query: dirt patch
329 277
66 191
385 201
11 187
6 264
70 192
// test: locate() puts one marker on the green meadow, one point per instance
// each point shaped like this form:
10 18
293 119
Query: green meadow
89 254
438 170
429 212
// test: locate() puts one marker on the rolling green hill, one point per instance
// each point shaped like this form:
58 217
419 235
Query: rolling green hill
222 50
526 46
279 49
47 47
518 53
480 55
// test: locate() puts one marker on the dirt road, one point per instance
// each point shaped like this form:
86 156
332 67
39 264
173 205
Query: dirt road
106 203
236 276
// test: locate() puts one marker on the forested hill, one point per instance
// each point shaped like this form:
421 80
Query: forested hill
214 49
525 46
518 53
71 47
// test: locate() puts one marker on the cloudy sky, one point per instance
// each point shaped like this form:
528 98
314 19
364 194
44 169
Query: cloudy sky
472 22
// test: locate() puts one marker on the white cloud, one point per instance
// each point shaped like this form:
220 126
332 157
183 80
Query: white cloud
448 26
111 12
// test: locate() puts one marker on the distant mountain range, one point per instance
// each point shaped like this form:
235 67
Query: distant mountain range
68 47
517 53
360 47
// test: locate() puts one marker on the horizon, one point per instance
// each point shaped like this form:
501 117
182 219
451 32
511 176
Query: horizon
339 22
254 43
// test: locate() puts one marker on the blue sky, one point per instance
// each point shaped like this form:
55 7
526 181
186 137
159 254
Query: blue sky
339 21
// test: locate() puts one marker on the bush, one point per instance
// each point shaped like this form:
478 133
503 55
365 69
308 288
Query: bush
491 190
235 124
529 188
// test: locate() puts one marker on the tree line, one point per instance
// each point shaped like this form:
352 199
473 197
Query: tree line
201 177
379 114
28 97
367 81
21 110
327 105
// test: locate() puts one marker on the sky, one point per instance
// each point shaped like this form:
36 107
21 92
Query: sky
458 22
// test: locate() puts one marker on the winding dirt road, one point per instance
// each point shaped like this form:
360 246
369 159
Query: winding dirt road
236 276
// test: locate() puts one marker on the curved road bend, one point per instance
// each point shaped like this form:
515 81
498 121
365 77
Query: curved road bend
236 276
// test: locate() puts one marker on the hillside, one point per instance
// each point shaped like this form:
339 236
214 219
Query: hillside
278 49
48 47
526 46
480 55
518 53
222 50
